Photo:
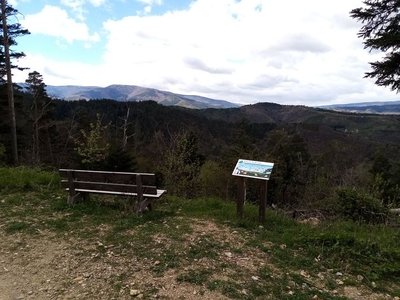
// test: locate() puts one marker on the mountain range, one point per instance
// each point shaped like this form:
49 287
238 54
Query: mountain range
135 93
383 107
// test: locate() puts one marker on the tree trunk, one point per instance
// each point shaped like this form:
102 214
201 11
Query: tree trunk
10 89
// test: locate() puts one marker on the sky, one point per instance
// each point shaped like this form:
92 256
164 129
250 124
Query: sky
245 51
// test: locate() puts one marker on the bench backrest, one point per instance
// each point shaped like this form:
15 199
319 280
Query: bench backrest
121 182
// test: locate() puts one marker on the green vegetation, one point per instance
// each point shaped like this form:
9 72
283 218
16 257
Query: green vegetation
202 244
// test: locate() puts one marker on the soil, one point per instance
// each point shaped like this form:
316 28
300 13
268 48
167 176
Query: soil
48 265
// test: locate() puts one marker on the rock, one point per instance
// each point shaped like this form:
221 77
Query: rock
360 277
339 274
339 282
304 274
255 278
373 284
282 246
321 276
228 254
291 293
134 293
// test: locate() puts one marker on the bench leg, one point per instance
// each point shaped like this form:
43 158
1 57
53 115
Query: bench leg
140 207
73 198
77 197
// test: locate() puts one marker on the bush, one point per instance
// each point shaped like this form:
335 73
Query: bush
360 206
213 179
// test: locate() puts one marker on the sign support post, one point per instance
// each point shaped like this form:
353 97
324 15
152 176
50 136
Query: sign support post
263 202
257 170
241 197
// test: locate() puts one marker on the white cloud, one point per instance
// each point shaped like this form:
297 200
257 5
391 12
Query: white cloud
148 6
275 48
54 21
304 52
151 2
78 6
97 3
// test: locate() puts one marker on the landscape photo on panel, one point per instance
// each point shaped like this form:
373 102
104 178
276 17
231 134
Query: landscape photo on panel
253 169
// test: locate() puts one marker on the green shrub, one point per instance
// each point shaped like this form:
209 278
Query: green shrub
360 206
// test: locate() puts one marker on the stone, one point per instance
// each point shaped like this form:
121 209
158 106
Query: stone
228 254
360 277
339 274
134 292
304 274
255 278
339 282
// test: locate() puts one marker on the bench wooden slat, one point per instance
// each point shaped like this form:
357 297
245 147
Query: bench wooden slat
111 187
107 176
157 195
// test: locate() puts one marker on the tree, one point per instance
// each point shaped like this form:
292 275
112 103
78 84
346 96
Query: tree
40 102
182 164
93 147
9 32
381 31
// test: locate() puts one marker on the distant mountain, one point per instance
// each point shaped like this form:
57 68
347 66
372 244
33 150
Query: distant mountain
135 93
386 107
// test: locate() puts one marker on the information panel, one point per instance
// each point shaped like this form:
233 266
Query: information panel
253 169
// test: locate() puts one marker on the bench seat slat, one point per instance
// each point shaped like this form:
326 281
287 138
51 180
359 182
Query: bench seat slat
158 195
114 187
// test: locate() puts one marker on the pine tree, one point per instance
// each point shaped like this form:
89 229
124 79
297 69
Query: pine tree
40 101
381 31
9 31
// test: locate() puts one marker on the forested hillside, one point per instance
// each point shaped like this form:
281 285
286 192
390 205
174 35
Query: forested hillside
193 152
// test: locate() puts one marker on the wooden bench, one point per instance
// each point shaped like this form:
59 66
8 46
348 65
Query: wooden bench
137 186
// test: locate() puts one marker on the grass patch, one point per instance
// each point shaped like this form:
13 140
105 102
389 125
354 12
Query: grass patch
198 277
27 179
17 226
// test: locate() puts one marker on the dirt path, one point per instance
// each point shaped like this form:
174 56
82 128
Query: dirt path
48 267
